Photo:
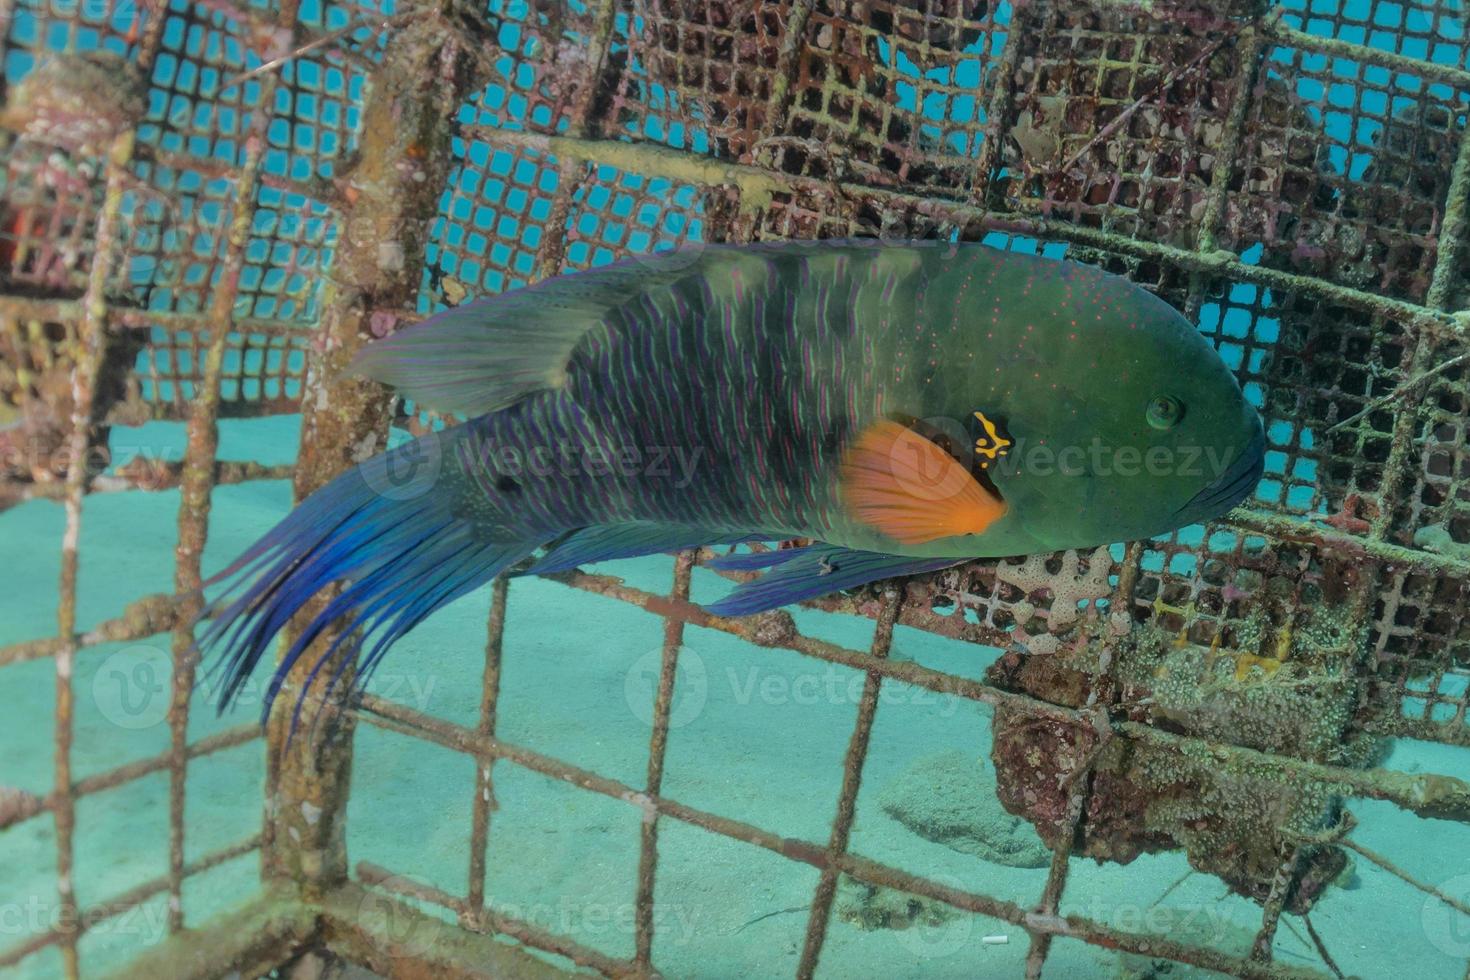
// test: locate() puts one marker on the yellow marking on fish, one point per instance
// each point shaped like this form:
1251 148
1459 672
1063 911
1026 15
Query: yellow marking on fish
992 444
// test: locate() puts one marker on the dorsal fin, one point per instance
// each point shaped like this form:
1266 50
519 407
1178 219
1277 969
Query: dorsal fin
488 354
491 353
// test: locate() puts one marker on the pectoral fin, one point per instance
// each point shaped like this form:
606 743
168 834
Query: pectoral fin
901 484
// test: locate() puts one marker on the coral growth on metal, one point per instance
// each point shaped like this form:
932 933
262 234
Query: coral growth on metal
1293 181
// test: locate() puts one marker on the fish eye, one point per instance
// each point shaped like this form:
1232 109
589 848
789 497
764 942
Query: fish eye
1165 412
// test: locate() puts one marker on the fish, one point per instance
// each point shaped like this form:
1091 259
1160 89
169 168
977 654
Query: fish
904 406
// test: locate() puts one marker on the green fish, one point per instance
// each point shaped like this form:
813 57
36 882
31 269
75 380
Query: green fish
907 407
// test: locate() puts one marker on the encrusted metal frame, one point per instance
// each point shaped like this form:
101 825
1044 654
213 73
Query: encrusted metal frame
764 174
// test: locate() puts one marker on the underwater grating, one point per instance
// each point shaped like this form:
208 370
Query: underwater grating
208 206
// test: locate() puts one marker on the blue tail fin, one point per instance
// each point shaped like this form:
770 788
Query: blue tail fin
390 531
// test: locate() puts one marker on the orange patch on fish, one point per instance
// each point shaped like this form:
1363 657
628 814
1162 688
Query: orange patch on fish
902 484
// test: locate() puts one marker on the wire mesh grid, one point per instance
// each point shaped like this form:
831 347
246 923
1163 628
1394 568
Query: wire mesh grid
187 244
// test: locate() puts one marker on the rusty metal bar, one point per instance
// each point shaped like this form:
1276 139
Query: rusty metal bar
407 721
92 335
1426 794
1459 905
407 127
251 941
1281 886
793 37
999 107
149 478
1291 528
32 806
1283 34
485 804
377 941
80 920
175 322
484 920
1251 47
1395 725
196 485
70 310
758 183
1102 692
148 616
657 748
1452 231
852 777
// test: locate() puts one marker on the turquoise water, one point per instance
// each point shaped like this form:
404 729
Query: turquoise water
760 734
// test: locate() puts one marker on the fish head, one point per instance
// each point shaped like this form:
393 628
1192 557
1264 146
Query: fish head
1134 425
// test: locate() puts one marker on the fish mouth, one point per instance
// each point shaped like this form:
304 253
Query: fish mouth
1230 487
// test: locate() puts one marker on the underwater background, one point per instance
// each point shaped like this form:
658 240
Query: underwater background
757 734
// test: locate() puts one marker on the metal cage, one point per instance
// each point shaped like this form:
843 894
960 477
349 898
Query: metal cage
209 205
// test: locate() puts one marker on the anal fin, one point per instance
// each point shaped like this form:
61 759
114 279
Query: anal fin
627 540
819 570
